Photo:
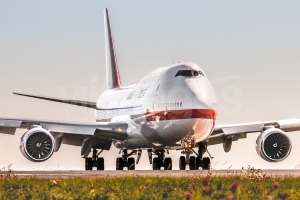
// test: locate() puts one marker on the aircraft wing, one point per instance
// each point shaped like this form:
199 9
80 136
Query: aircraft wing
227 133
70 133
110 130
87 104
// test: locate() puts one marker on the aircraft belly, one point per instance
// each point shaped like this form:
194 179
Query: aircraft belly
168 132
133 144
175 130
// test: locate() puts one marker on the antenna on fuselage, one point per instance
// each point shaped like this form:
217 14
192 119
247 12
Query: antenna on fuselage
113 79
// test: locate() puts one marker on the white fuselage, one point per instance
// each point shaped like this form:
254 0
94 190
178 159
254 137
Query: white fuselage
164 107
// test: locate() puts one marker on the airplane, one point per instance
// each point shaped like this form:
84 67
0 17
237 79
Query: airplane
172 108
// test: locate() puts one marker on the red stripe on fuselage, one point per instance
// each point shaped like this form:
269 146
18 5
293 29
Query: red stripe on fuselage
181 114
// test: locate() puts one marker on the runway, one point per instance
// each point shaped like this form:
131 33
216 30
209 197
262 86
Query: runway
159 173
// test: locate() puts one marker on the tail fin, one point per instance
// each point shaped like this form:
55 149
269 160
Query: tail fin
113 79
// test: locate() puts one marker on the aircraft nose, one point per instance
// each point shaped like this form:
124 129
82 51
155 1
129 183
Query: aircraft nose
203 96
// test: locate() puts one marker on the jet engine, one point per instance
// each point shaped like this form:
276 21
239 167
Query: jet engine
273 145
37 144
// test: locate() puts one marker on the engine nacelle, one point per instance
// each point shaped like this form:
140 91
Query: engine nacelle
37 144
273 145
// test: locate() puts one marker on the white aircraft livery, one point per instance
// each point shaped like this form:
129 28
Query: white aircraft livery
172 108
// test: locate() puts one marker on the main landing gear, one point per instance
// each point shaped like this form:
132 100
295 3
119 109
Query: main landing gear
197 161
160 160
94 161
125 161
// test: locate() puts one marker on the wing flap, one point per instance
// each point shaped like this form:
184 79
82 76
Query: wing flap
9 126
8 130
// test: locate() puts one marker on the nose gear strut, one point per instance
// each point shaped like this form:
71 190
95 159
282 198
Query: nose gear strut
160 160
188 143
125 161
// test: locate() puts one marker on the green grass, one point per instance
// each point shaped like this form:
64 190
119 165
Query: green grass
252 185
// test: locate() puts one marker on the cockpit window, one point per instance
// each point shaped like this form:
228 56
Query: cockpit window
196 73
189 73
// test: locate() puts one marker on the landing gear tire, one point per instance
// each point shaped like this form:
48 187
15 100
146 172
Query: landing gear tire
192 163
168 163
88 164
119 163
156 164
198 162
100 163
131 164
182 163
206 163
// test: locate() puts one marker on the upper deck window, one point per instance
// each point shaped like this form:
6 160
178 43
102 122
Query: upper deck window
131 95
142 93
189 73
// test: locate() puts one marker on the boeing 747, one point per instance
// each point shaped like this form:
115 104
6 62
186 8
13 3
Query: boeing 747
172 108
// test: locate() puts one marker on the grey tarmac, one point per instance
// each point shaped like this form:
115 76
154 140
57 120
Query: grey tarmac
158 173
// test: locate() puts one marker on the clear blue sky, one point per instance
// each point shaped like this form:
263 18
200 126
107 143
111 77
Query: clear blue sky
250 50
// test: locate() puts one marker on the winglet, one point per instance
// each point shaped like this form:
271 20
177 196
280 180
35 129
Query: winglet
113 79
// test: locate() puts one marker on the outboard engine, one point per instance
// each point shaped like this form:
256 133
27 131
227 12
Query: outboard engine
37 144
273 145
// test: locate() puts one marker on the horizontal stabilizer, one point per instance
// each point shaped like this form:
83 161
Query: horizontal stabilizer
87 104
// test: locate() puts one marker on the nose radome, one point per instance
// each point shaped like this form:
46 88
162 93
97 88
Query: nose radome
203 94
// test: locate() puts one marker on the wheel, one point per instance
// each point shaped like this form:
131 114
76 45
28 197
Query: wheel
198 162
192 163
119 163
131 164
182 163
88 164
100 164
206 163
168 163
156 164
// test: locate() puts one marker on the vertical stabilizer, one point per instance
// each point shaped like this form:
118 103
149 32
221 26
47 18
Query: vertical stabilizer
112 71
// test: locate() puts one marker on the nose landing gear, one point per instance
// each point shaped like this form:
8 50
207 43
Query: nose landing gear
197 161
160 160
125 161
